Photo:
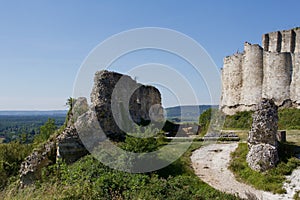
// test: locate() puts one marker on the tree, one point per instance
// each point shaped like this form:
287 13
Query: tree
204 120
70 102
45 131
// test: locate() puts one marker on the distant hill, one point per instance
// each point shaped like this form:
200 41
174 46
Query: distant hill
189 113
34 113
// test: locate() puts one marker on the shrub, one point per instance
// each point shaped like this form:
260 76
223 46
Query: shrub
241 120
205 119
11 156
45 131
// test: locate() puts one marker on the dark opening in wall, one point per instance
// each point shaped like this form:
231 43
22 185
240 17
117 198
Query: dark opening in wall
266 42
279 41
293 41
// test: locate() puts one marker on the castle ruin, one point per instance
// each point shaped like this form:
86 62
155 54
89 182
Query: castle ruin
271 71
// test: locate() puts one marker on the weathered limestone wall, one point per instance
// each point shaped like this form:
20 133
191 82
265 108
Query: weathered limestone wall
232 80
295 83
297 40
274 41
288 41
271 72
277 76
252 75
282 41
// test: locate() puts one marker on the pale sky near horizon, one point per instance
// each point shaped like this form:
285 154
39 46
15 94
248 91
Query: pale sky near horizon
44 43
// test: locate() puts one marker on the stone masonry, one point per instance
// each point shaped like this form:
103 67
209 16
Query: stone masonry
115 97
119 100
271 72
262 141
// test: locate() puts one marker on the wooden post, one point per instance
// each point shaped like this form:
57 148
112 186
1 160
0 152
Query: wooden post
281 136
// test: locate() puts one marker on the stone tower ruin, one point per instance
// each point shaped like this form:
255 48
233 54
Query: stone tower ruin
271 71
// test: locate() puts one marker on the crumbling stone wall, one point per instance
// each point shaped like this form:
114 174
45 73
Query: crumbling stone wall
112 94
262 140
118 99
31 167
66 146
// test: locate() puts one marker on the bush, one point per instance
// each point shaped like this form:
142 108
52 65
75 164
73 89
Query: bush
241 120
206 118
45 132
11 156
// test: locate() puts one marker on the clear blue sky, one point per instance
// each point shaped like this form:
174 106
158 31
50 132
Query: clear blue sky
43 43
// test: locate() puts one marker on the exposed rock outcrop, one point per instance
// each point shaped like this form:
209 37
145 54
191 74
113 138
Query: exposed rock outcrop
262 141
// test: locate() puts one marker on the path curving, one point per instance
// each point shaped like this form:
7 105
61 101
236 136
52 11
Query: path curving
211 162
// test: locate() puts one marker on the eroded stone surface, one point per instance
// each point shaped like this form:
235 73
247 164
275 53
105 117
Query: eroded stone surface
265 124
142 103
69 146
119 100
270 72
262 157
262 140
31 167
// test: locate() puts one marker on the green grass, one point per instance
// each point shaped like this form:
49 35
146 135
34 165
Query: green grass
289 119
271 180
293 136
11 156
90 179
296 195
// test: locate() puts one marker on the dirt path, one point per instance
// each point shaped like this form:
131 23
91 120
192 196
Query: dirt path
210 164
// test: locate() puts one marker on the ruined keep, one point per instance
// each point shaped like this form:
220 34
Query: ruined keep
271 71
119 100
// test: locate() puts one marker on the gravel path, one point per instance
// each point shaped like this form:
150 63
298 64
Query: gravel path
211 165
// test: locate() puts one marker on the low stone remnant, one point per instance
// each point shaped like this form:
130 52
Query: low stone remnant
69 146
31 167
88 127
80 107
262 141
262 157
